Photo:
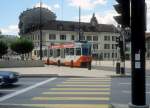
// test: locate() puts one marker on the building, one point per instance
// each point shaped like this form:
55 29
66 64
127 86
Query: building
102 36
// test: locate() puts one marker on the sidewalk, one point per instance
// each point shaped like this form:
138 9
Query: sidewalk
59 71
113 64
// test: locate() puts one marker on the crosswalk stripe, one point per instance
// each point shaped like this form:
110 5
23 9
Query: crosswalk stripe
89 80
68 105
72 98
75 93
86 82
87 85
80 89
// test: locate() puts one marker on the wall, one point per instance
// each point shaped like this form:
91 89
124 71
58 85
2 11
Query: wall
19 63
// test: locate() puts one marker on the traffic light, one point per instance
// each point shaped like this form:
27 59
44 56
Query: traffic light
123 9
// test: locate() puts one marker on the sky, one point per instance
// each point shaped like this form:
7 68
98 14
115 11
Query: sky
64 9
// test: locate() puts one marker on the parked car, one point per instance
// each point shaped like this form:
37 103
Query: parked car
9 77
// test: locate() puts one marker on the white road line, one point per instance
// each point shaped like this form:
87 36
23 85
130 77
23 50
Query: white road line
25 89
7 90
130 84
129 92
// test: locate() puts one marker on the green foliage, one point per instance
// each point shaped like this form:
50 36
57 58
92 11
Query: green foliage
22 46
3 48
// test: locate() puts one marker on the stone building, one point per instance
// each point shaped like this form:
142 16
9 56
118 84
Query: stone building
101 36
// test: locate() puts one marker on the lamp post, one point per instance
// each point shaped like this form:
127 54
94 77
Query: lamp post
41 52
138 54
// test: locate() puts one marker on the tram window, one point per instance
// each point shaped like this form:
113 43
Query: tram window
71 51
67 51
58 52
78 51
38 53
50 52
85 51
35 52
45 53
62 53
54 53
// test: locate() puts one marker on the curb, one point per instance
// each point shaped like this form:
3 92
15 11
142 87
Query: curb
49 75
119 106
121 76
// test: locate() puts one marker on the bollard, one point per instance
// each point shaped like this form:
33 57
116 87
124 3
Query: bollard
89 65
48 61
117 68
71 64
58 63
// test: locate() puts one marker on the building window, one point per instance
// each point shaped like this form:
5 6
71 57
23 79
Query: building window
106 38
95 46
113 55
38 37
113 46
95 38
106 55
89 38
62 37
106 46
82 37
52 36
72 37
113 38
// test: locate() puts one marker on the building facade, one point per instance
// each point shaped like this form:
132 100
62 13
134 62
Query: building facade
101 36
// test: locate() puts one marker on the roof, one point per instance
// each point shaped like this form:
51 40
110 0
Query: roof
74 26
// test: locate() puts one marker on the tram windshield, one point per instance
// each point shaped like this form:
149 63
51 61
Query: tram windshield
85 51
78 51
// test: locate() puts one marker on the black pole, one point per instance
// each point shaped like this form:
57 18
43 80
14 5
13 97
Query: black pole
41 52
138 53
122 54
79 23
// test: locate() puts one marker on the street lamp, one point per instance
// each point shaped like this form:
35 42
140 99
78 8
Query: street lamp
41 52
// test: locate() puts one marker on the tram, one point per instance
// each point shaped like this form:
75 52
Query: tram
75 54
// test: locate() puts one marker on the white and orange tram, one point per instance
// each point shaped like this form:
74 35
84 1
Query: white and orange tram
76 54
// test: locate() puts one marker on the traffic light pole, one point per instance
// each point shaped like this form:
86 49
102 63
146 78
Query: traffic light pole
138 54
41 52
122 53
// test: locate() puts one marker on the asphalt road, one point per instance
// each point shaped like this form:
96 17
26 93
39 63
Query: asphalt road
68 92
58 93
121 90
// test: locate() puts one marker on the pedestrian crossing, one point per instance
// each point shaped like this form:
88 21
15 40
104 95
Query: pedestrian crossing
76 93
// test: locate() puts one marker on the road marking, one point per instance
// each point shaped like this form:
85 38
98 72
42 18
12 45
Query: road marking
70 105
130 84
76 93
62 105
86 82
25 89
72 98
87 85
80 89
7 90
129 92
89 80
124 83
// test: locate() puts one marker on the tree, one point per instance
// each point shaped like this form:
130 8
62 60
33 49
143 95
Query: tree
22 46
3 48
